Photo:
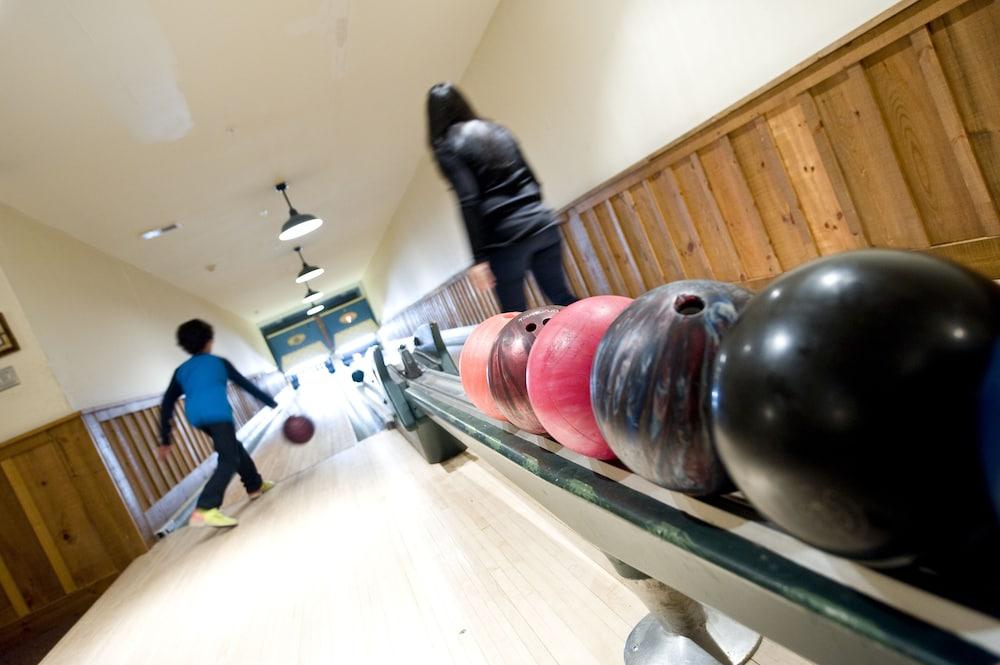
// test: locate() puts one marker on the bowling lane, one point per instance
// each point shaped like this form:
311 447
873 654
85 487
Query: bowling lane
368 556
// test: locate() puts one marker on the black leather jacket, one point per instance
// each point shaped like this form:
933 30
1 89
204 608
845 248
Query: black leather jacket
500 197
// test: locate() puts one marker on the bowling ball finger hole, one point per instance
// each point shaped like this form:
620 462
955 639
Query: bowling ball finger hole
544 321
688 305
530 327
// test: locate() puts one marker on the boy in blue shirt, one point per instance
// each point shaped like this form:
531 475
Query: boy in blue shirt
203 379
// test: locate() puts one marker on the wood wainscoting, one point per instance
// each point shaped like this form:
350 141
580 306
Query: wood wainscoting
889 138
81 497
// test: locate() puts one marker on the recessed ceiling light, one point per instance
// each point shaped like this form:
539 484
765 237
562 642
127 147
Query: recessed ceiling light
156 233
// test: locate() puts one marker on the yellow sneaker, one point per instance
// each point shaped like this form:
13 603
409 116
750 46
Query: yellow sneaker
212 517
266 486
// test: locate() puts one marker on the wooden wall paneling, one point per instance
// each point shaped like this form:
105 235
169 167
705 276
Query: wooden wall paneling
640 198
637 239
773 193
967 42
835 175
107 513
32 580
797 142
922 145
708 222
865 152
739 210
42 534
138 478
979 254
576 283
620 250
578 242
15 605
893 24
609 266
951 119
55 491
117 469
680 225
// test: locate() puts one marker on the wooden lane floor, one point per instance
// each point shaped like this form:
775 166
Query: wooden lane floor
370 556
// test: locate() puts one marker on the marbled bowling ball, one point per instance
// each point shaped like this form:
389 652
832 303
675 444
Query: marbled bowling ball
507 370
651 379
847 402
559 373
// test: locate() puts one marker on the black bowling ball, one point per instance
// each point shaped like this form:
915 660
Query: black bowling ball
845 403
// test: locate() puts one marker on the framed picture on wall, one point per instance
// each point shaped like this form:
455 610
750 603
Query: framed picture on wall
7 342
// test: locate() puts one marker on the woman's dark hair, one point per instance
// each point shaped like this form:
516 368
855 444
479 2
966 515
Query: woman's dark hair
445 107
193 335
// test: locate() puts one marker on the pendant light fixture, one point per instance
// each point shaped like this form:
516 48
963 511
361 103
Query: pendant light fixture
315 309
311 295
308 272
298 224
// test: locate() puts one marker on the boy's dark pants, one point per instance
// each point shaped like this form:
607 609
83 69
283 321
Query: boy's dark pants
233 458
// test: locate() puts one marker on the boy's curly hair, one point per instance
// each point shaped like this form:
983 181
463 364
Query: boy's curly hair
193 335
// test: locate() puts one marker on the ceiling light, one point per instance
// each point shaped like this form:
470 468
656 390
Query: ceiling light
156 233
308 272
312 295
298 224
315 309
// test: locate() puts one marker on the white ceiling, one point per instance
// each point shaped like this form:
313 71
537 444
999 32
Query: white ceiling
118 116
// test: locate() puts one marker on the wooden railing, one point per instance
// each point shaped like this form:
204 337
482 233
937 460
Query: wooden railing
82 497
127 435
889 138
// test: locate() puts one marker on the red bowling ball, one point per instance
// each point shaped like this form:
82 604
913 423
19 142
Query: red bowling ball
507 370
559 373
475 359
298 429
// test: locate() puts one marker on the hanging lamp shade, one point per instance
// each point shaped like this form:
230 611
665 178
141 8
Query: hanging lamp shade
312 296
298 223
308 272
315 309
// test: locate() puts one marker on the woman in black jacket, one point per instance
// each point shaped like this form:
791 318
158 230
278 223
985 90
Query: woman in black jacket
509 227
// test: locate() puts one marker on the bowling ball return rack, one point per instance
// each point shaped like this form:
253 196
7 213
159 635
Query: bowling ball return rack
714 574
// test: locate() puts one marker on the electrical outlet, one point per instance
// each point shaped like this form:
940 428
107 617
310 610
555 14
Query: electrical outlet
8 378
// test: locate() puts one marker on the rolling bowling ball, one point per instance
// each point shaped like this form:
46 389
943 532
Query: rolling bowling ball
358 376
845 404
298 429
650 385
475 359
506 373
559 373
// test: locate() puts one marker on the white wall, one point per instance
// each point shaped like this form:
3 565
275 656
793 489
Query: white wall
38 399
591 87
107 327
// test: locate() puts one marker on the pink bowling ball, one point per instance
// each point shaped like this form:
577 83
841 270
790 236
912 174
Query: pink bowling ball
559 373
